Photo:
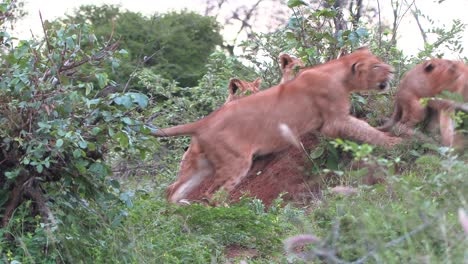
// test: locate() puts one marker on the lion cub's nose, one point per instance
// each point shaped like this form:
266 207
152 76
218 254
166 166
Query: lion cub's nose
382 85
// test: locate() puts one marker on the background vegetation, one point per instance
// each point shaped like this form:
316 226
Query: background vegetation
81 182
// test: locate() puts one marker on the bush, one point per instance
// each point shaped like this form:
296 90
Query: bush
56 133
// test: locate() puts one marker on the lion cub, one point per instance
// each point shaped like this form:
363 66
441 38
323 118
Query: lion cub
290 66
194 167
427 80
316 100
194 160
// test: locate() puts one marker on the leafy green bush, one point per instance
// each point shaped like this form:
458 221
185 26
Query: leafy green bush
56 134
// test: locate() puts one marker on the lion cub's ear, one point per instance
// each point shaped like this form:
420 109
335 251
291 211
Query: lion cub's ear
343 52
355 67
257 84
285 60
428 66
364 49
234 86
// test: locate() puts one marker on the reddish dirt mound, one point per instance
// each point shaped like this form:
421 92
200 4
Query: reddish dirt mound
271 175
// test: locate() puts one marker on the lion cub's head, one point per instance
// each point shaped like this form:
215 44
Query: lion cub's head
290 66
236 85
368 71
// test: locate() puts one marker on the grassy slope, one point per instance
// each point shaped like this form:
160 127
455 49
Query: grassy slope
411 218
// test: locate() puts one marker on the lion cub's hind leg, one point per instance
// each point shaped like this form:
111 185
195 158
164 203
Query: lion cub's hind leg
413 113
196 175
447 128
228 174
231 165
194 168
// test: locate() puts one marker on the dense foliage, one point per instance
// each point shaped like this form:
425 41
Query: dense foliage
173 45
80 181
56 132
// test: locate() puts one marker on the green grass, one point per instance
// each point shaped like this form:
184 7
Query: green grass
410 218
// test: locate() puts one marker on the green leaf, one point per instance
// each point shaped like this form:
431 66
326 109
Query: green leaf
59 143
122 138
70 42
127 120
123 52
95 130
294 3
140 99
21 50
127 198
91 146
25 161
124 100
98 169
11 175
77 153
102 79
83 144
317 153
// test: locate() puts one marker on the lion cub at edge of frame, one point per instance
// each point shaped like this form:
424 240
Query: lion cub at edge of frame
316 100
427 80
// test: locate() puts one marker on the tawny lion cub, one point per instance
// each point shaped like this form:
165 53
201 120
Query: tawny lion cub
316 100
194 166
427 80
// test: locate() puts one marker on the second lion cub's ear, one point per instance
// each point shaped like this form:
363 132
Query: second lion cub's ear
428 66
285 60
234 86
257 83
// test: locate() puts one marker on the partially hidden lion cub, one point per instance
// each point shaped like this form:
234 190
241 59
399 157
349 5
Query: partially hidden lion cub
290 66
244 87
426 80
193 168
316 100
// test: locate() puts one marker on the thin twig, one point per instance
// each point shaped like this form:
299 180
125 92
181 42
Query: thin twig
45 33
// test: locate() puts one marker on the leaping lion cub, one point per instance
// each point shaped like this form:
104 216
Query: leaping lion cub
427 80
194 167
316 100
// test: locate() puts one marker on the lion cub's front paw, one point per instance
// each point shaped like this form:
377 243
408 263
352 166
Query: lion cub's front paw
392 141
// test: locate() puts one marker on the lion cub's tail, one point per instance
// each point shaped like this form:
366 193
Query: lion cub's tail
447 105
181 130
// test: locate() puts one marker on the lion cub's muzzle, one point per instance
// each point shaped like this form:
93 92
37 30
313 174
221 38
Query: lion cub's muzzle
384 84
